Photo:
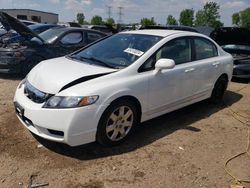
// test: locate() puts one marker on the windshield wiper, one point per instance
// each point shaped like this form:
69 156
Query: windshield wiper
97 60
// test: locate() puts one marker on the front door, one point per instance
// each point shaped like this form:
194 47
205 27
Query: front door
170 88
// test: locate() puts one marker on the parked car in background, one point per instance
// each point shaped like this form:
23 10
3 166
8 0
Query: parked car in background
2 30
20 57
27 22
109 30
102 91
171 27
235 41
14 37
39 28
69 24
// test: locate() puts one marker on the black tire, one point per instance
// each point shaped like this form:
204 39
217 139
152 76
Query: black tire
219 90
103 136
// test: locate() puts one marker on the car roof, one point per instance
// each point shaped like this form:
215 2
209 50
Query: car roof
156 32
76 28
99 26
44 24
171 27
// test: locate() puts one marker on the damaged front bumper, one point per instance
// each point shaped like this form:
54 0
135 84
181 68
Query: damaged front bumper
10 62
241 71
241 67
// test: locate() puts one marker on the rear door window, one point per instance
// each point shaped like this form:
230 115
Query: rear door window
204 49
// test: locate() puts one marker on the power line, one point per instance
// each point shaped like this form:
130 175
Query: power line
109 11
120 14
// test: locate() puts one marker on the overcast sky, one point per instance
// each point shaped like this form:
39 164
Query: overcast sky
133 10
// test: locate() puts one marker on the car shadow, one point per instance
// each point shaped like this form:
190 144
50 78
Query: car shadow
147 132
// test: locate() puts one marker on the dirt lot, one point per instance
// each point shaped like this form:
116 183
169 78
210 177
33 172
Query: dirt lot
186 148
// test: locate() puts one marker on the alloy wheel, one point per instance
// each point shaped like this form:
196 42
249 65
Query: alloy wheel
119 123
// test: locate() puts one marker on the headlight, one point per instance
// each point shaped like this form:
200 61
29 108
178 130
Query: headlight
69 102
22 83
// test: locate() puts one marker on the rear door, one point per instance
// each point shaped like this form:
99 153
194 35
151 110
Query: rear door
206 65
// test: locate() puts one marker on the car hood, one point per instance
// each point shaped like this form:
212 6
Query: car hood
9 23
54 75
231 35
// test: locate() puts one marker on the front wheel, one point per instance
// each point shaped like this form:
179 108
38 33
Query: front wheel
219 90
116 123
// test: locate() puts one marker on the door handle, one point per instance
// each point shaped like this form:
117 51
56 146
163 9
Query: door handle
190 70
216 63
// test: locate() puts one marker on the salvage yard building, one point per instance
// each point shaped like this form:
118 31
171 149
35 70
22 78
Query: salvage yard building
32 15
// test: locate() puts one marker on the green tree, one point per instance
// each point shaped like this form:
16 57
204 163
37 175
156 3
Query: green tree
242 18
96 20
171 20
236 19
200 18
80 18
209 16
110 21
147 21
245 18
187 17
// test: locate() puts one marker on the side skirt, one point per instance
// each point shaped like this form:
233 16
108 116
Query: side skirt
175 105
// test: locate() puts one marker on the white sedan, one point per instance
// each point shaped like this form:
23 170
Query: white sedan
102 91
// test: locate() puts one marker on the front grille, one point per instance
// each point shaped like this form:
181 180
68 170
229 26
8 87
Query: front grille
34 94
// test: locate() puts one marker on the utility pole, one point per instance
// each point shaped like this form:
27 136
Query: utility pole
109 11
120 14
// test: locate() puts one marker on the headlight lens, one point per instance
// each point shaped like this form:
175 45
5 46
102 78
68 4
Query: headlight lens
70 102
22 83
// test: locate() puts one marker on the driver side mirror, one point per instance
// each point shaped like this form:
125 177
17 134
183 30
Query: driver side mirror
164 64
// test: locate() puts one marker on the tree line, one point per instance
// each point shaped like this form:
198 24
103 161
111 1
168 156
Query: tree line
208 16
96 20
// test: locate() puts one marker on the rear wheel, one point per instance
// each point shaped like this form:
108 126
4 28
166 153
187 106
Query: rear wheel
117 123
219 90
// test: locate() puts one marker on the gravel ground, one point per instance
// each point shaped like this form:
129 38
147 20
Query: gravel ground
185 148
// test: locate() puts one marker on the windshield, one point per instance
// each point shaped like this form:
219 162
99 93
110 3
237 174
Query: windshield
117 51
50 35
236 47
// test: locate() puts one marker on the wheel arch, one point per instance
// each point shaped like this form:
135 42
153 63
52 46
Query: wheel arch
134 100
225 76
101 135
